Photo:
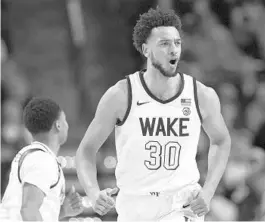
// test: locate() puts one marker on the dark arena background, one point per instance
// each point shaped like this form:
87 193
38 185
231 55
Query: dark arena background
74 50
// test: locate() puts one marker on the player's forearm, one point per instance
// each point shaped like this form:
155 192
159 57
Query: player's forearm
87 171
217 161
62 213
29 214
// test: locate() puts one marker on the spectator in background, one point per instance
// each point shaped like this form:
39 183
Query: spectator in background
248 27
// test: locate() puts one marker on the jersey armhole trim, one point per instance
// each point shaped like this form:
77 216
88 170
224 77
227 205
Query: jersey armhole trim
196 98
121 122
22 159
59 177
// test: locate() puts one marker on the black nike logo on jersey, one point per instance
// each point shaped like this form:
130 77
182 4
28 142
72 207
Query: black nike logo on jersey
141 103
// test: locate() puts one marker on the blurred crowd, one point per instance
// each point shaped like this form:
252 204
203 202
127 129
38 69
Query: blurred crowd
224 47
14 94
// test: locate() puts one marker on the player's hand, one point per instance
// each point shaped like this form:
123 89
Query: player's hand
200 205
72 205
104 201
186 207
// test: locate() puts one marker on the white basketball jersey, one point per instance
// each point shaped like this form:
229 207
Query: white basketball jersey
53 199
157 140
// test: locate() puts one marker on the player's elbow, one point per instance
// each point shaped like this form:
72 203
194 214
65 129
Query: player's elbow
85 152
84 155
227 140
224 142
25 211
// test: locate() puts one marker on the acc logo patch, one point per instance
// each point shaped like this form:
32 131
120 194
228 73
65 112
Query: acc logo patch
186 111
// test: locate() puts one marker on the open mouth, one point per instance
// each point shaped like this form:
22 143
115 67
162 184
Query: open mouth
173 61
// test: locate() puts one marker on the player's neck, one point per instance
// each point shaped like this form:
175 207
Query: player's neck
160 85
49 140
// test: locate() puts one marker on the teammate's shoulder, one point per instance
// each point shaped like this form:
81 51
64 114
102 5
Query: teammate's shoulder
40 155
30 149
39 159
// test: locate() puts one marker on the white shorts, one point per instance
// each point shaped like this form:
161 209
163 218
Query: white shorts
156 206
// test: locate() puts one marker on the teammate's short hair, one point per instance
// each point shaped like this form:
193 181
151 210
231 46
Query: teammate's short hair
40 114
152 19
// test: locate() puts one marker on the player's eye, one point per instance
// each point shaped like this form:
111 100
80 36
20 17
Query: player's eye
164 43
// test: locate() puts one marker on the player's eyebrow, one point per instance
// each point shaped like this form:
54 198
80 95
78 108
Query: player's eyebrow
169 40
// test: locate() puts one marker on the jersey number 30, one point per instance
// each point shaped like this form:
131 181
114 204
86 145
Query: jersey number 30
170 158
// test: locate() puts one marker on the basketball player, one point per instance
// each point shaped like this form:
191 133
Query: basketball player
36 188
157 114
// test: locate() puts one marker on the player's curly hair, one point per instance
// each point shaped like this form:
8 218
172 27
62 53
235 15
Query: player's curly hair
40 114
151 19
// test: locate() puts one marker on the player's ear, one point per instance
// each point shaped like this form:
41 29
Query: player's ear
145 50
57 125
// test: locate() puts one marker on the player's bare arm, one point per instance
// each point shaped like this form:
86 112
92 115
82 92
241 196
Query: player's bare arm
31 202
220 144
220 141
111 108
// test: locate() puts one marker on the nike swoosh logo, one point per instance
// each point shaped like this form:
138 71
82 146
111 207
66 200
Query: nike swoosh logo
141 103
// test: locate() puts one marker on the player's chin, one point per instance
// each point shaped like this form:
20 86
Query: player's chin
63 139
172 72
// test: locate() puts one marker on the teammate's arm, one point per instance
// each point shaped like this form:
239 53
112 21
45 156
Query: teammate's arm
220 142
111 107
31 202
38 172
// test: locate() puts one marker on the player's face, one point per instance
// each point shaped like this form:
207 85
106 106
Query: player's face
164 49
63 128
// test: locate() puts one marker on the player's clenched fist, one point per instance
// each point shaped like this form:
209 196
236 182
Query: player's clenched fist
200 205
104 201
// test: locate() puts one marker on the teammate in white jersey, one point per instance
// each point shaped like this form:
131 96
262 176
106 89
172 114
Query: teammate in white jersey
157 114
36 188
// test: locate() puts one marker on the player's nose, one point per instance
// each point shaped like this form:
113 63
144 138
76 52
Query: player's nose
173 51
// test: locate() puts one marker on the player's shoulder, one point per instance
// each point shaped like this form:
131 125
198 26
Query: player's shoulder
206 93
121 87
207 98
38 158
118 92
